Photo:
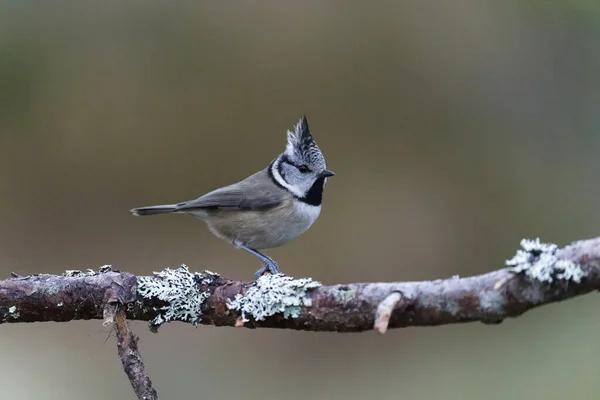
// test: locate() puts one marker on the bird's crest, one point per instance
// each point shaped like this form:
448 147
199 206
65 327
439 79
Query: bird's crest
301 146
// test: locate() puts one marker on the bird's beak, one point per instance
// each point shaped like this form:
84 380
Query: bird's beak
326 174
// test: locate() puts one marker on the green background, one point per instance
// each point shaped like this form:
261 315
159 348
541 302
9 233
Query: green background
455 130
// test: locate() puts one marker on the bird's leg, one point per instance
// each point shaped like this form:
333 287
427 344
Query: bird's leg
268 262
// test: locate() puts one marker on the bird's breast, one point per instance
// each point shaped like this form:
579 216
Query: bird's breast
265 229
307 212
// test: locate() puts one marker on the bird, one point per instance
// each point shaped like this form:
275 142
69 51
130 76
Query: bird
270 207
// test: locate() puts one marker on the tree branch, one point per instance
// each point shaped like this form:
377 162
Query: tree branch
131 359
538 274
544 274
127 347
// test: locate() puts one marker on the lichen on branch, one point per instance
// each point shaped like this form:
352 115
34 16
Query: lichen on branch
539 261
538 274
180 290
273 294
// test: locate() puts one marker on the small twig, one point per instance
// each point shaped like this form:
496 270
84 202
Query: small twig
384 312
111 307
239 322
128 350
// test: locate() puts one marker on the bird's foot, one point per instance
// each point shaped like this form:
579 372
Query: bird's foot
270 266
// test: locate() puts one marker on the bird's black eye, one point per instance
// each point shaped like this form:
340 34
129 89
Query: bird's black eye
304 169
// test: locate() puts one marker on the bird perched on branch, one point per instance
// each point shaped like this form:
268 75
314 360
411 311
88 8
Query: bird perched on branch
269 208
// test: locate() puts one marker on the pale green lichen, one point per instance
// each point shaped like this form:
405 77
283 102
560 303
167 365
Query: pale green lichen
344 294
51 290
12 313
539 261
180 289
491 300
76 273
272 294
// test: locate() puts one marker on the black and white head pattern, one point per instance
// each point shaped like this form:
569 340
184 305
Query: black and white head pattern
302 148
300 167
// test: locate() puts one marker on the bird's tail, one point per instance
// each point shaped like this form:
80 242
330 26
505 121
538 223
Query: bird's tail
153 210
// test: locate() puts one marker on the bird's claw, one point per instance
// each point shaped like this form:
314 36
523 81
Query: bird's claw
270 266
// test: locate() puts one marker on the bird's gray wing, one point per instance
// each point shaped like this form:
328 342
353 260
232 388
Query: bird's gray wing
256 192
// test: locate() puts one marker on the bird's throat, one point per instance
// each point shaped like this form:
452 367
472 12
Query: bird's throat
314 196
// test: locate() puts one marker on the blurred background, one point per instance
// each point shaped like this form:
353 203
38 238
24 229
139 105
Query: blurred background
455 130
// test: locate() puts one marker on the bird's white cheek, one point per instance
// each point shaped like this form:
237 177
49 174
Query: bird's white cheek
277 176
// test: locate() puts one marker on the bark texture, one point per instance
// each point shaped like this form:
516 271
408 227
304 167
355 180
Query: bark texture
488 298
